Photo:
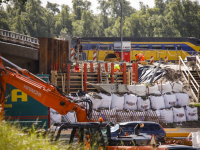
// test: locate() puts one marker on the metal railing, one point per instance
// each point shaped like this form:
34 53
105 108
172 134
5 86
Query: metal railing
197 65
189 78
17 38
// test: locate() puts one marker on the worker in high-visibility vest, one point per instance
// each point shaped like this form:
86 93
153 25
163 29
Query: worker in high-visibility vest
117 68
139 57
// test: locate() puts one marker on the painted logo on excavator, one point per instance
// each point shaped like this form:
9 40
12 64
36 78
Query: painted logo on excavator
33 91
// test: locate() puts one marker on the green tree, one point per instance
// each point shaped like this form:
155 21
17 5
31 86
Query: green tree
64 20
3 19
49 23
7 1
183 16
78 7
33 19
53 7
160 4
84 27
104 11
115 8
134 26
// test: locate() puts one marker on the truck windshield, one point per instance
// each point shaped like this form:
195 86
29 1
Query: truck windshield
115 128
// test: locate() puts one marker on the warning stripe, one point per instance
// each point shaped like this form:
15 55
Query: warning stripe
72 53
94 56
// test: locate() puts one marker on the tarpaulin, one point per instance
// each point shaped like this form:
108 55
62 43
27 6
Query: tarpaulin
145 74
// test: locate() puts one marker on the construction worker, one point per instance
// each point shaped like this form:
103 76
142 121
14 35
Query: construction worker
139 57
79 50
116 68
76 68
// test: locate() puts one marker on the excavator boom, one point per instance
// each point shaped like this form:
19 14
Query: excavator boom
43 92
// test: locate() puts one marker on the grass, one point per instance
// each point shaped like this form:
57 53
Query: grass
195 104
14 138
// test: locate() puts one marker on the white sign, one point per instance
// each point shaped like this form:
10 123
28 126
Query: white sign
126 45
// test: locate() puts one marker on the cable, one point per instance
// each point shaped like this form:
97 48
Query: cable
3 92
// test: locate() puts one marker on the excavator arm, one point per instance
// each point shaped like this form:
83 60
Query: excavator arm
43 92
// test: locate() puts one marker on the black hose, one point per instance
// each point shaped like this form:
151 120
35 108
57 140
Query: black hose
2 90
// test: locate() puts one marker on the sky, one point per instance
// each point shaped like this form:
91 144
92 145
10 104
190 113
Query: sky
134 3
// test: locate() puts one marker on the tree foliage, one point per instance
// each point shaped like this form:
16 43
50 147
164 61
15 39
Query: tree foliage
168 18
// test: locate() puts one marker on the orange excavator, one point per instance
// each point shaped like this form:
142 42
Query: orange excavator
45 93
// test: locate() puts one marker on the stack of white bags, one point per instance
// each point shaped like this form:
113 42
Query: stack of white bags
162 99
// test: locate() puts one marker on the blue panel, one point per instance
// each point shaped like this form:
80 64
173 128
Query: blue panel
19 106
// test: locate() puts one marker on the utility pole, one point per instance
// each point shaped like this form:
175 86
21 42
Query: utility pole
121 4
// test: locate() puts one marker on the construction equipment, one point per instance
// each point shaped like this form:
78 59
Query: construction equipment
98 132
97 135
45 93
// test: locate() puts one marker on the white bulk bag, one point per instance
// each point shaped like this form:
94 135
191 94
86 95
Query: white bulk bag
191 113
170 100
182 99
71 116
143 104
55 117
165 88
117 102
106 101
158 113
166 115
96 102
179 114
157 102
177 87
138 89
153 90
130 102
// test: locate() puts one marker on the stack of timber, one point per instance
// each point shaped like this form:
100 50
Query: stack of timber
77 80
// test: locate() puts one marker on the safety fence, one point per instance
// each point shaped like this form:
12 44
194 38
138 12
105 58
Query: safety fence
73 80
117 116
17 38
